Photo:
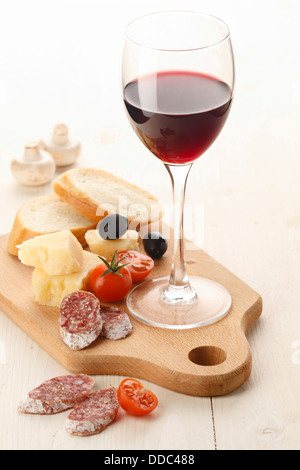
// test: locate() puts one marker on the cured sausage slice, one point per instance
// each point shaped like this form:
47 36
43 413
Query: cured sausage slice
116 323
93 414
80 320
56 395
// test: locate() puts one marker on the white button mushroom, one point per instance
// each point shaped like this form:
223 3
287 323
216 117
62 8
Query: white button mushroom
35 167
64 151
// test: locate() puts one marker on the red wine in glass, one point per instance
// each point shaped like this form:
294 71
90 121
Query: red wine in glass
185 117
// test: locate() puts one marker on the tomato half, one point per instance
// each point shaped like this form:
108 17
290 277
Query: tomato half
135 399
112 286
140 265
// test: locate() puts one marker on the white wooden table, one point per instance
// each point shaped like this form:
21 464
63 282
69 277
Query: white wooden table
60 62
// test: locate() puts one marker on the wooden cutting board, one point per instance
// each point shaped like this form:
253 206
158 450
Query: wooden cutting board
207 361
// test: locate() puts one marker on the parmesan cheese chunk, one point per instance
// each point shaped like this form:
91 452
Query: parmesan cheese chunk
107 248
56 253
50 290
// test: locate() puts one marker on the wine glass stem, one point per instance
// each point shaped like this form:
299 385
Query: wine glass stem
179 289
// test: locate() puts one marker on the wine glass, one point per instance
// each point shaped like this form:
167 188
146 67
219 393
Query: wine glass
178 82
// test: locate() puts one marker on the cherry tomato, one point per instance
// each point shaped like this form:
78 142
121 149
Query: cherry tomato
135 399
110 287
140 265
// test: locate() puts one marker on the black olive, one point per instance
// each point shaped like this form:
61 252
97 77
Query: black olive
113 226
155 245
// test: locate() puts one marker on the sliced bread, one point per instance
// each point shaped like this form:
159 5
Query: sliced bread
46 214
96 193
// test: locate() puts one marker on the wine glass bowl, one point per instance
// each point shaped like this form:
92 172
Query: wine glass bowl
189 113
178 83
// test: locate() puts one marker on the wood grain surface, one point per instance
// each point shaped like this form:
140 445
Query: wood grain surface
208 361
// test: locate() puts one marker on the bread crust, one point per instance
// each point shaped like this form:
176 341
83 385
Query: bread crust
79 202
82 203
17 235
20 233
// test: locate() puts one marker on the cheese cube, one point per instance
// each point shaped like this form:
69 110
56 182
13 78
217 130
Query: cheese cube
50 290
56 253
107 248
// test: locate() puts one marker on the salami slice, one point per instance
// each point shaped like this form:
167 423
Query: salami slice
58 394
80 320
93 414
116 323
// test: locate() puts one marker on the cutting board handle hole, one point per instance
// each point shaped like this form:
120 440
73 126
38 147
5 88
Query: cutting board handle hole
207 356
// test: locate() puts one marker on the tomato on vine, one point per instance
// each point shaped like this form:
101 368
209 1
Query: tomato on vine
110 282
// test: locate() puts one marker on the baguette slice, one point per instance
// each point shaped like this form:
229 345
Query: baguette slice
96 193
43 215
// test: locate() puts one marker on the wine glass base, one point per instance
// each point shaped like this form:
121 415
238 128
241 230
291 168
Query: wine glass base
212 303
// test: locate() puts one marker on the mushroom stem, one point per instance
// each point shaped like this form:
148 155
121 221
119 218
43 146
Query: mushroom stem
60 134
32 152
